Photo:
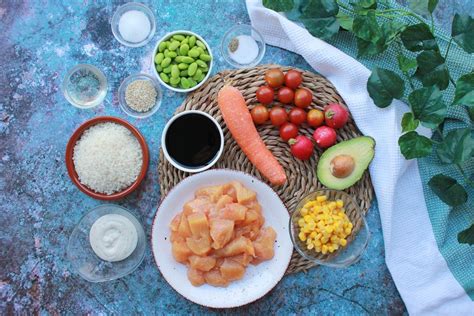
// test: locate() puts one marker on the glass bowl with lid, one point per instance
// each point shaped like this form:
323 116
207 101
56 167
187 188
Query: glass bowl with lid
357 240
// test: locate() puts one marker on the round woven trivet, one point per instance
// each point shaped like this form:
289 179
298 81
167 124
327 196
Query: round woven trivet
301 174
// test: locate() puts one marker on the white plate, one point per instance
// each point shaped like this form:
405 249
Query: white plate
258 280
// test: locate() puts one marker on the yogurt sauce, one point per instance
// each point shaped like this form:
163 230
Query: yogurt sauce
113 237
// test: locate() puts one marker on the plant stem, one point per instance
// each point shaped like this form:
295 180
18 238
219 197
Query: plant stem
466 178
447 49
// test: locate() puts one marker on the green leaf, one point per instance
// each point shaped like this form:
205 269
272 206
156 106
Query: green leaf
448 190
418 37
409 123
384 86
345 21
406 64
467 236
464 94
319 18
367 48
457 147
390 31
427 106
279 5
366 27
297 11
432 69
364 5
432 5
463 32
412 145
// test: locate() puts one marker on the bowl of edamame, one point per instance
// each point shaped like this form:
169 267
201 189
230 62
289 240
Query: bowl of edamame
182 61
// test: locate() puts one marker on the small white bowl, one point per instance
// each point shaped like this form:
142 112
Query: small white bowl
128 7
178 165
123 103
155 51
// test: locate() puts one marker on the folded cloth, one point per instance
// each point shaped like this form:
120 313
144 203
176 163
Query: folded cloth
419 270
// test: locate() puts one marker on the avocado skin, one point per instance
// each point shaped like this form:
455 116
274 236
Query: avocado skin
361 149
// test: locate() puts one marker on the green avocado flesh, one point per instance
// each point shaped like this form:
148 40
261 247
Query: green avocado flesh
361 149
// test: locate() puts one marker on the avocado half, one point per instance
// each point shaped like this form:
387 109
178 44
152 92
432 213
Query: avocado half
343 164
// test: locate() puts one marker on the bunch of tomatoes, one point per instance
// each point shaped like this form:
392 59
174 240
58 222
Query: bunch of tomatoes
286 89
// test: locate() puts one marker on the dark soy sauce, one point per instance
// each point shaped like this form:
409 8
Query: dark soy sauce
193 140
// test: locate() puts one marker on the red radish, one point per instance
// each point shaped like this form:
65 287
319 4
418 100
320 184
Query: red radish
301 147
335 115
325 136
288 130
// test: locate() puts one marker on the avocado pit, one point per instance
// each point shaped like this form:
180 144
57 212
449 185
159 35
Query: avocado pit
342 166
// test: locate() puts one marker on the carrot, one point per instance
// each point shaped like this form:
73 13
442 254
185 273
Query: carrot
239 121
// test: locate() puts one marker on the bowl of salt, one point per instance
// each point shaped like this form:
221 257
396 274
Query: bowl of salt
133 24
243 46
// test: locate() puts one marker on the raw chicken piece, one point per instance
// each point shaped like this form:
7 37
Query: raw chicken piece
244 259
215 278
234 211
201 204
180 251
183 228
175 222
223 201
235 247
221 232
199 245
244 195
212 192
232 270
196 277
230 191
202 263
263 245
198 224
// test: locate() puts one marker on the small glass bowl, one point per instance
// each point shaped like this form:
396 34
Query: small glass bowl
242 29
84 260
357 241
123 103
128 7
84 101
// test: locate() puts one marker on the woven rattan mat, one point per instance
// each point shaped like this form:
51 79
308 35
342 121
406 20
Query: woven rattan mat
301 174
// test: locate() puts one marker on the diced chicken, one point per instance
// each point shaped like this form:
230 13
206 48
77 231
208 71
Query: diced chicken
264 244
215 278
202 263
196 277
233 211
244 195
212 192
183 228
198 224
175 222
221 232
253 216
201 204
199 246
230 191
232 270
235 247
244 259
175 236
223 201
180 251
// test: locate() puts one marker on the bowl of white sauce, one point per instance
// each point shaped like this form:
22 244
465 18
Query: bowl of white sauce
108 243
133 24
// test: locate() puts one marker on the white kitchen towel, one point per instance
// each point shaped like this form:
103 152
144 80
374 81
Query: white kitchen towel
412 256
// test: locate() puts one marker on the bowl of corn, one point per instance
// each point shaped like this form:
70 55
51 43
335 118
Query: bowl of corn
329 228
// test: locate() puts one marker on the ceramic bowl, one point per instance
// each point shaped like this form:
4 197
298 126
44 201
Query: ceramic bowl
70 163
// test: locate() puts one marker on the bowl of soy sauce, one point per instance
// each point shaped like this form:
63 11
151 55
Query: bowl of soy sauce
192 141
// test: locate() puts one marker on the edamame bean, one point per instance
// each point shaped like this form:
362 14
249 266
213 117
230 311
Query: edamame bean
201 63
158 68
167 70
183 66
187 60
172 54
205 57
178 37
183 73
192 69
192 83
174 45
200 50
197 74
184 49
166 62
174 71
162 46
164 77
193 53
192 41
200 44
185 41
178 59
175 81
185 83
159 58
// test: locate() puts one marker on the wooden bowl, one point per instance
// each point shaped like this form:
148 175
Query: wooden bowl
70 163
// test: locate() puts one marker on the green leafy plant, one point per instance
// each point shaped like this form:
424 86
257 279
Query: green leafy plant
424 75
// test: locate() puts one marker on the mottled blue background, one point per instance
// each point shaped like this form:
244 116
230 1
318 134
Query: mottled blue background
39 42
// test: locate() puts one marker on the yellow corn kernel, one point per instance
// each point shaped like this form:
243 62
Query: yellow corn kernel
301 222
350 225
324 249
302 236
335 246
317 248
348 230
304 212
339 203
342 242
310 246
317 243
307 218
313 235
324 239
332 206
334 238
330 248
321 198
329 229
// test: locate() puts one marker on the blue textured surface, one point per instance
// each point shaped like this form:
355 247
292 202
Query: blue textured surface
40 206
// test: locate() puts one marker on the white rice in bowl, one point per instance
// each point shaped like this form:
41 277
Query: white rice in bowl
107 158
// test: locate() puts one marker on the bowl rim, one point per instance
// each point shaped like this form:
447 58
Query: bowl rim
166 36
177 165
115 18
322 262
70 163
68 75
159 95
234 63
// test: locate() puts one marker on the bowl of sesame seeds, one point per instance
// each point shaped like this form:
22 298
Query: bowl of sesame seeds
140 95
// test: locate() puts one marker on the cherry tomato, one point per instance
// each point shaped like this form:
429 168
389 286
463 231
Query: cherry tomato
301 147
297 116
336 115
303 98
315 118
278 115
325 136
265 95
293 79
259 114
274 78
285 95
288 131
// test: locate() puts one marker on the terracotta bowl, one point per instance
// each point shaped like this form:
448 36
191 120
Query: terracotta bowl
70 163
